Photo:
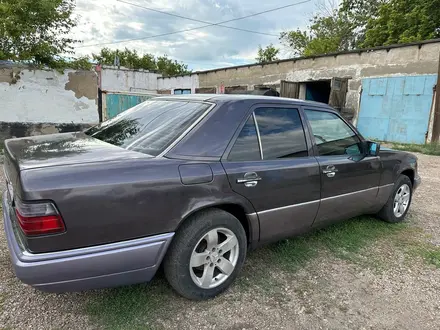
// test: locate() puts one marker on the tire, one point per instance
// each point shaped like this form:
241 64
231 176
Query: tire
190 247
388 213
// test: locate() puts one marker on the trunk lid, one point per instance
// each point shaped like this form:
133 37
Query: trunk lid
62 149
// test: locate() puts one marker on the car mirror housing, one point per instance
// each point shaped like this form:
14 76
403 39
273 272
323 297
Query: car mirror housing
372 148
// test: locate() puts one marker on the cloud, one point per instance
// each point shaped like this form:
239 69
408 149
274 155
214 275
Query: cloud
104 21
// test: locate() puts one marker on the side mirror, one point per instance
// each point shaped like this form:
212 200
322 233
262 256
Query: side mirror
372 149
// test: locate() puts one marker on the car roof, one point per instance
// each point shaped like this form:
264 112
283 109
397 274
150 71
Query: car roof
240 97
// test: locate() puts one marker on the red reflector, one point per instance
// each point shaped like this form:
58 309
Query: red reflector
48 224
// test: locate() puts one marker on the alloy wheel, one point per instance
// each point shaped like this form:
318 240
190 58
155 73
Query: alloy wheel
401 200
214 258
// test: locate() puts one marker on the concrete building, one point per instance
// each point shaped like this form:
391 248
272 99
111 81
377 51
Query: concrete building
387 92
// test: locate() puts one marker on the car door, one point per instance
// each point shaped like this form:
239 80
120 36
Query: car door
349 179
270 162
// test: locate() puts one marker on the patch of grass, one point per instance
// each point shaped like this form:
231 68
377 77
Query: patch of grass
432 256
292 254
347 240
132 307
427 149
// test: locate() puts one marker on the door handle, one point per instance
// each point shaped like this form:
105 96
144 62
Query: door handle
330 171
250 179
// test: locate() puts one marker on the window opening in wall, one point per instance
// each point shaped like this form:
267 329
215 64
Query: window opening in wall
182 91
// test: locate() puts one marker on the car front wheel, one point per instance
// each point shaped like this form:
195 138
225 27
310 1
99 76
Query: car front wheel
206 254
398 204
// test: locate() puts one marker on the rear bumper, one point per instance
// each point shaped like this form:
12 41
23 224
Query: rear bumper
109 265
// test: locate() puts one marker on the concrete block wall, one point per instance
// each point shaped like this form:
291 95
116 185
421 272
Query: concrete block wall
41 96
37 101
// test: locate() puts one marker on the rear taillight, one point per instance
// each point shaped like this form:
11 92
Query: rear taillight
38 218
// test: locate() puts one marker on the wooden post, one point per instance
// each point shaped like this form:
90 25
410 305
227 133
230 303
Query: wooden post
436 124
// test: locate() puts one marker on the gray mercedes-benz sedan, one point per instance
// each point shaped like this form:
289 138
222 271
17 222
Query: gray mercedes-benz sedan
192 183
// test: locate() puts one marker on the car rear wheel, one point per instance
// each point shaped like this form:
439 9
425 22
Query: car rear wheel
206 254
398 204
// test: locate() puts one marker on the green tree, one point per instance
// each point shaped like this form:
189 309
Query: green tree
131 59
366 23
328 33
402 21
268 54
36 31
171 67
359 12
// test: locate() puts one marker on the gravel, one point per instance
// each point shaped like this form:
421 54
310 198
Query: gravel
327 293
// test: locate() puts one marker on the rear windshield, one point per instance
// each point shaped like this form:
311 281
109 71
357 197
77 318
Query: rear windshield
149 127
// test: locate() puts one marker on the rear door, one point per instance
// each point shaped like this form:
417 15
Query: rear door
349 180
270 162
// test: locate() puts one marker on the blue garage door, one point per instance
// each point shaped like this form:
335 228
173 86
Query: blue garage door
396 109
117 103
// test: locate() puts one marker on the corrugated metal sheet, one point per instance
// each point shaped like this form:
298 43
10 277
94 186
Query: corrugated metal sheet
396 109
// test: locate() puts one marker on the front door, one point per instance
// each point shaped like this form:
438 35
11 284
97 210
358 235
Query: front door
349 180
269 163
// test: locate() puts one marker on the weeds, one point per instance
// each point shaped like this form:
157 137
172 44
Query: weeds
427 149
432 256
131 307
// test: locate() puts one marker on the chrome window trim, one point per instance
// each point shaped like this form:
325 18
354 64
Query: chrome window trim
258 135
319 200
189 129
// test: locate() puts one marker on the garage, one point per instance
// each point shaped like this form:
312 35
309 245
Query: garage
396 108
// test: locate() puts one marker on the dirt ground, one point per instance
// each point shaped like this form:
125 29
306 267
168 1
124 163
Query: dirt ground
388 284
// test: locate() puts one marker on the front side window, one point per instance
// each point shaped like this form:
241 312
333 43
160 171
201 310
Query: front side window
281 132
332 135
149 127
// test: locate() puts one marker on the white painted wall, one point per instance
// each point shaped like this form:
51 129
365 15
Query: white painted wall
126 80
39 96
180 82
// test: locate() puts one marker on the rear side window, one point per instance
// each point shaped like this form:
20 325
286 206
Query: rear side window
149 127
246 147
282 133
276 133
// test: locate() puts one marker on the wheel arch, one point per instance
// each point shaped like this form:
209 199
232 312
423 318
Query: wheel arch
409 172
249 221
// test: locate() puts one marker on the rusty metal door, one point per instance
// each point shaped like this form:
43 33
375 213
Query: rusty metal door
289 89
338 93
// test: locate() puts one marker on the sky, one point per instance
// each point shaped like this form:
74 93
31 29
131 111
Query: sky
106 21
